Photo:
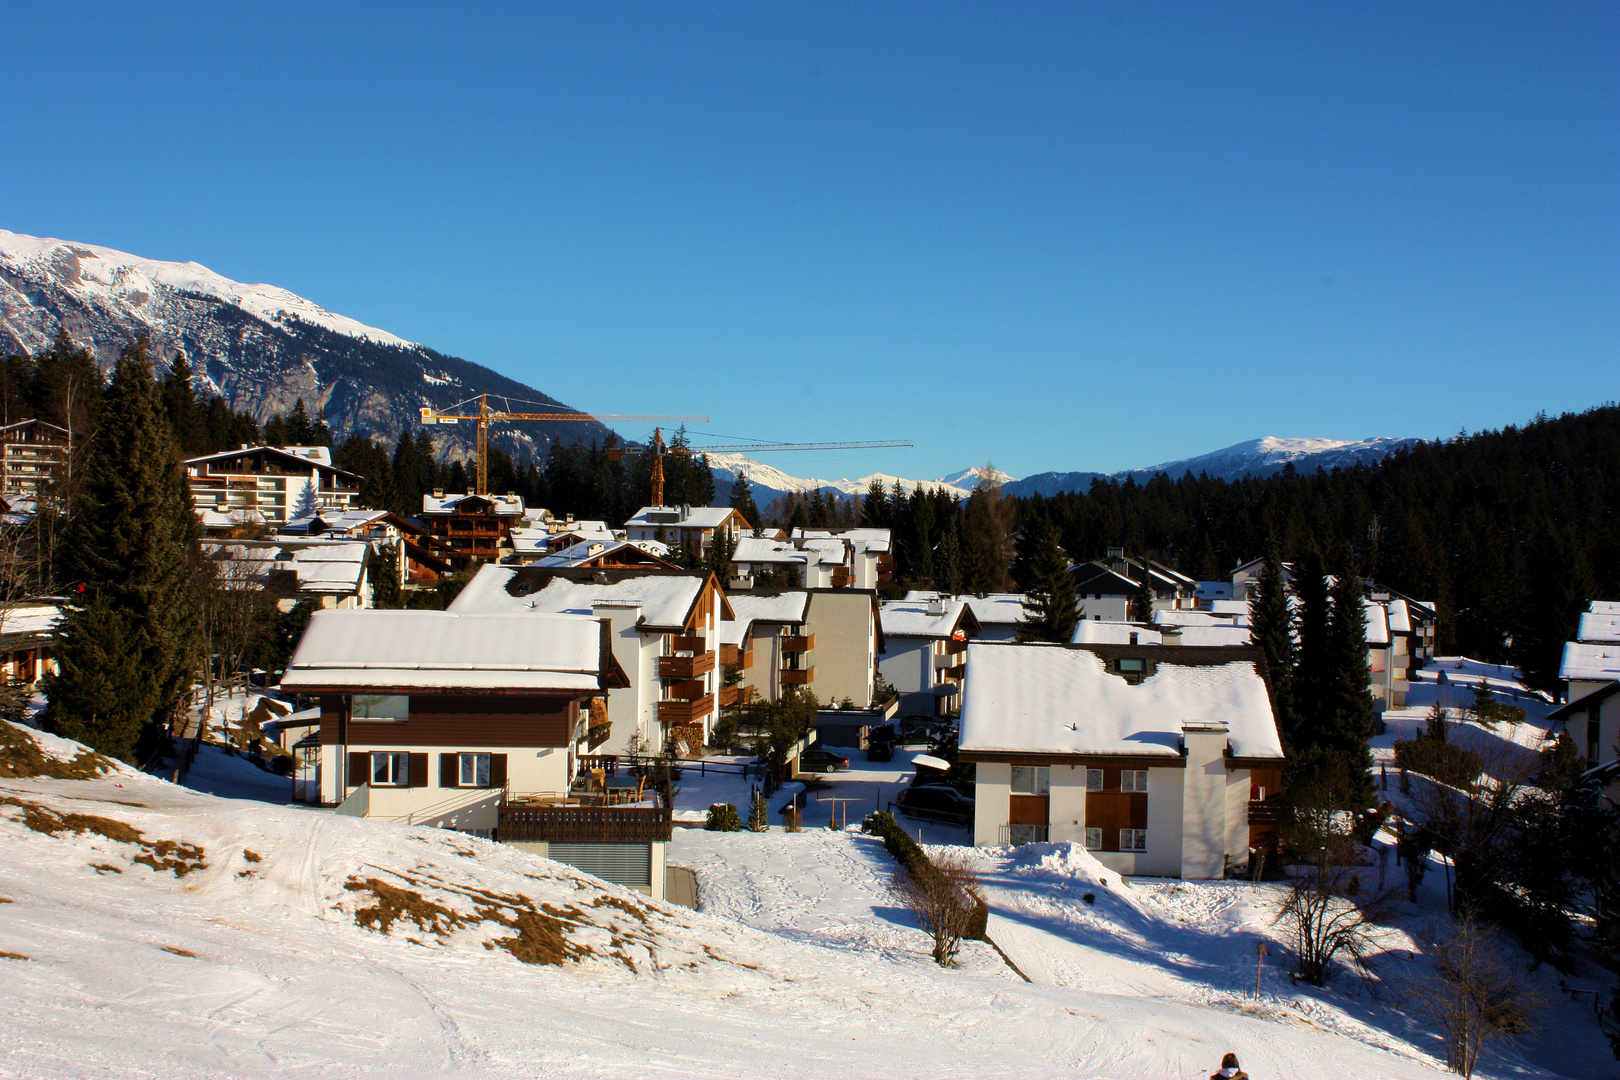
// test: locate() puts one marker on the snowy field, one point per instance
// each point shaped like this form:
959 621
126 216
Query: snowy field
247 956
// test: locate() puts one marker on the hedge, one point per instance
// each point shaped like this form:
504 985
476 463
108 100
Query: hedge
911 856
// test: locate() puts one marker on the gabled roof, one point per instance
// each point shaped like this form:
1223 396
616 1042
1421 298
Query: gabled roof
1590 663
472 503
1056 699
1109 632
1599 626
991 609
606 553
440 650
904 618
1585 701
666 597
1604 607
35 424
301 458
1096 578
683 517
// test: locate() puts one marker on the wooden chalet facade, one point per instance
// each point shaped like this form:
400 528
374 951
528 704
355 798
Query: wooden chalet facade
33 459
475 528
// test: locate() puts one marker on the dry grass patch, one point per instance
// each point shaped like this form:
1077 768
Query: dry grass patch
14 956
106 868
20 756
160 855
187 953
252 856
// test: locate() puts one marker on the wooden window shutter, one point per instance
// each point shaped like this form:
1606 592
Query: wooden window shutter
419 770
449 770
497 770
359 769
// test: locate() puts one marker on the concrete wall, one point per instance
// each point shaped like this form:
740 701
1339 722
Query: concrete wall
1203 830
908 663
1108 609
660 864
1237 816
845 657
992 789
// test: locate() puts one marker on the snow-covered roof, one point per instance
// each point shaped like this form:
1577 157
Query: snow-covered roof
586 550
1400 617
905 618
313 457
1051 699
30 620
787 606
1599 626
753 550
1229 607
680 517
1604 607
1588 663
1377 623
530 541
665 598
1193 618
991 609
1108 632
500 505
1224 636
437 650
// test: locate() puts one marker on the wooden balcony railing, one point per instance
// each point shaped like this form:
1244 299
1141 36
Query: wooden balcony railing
685 712
584 824
730 654
798 642
685 667
690 690
693 643
955 645
843 577
798 676
1264 811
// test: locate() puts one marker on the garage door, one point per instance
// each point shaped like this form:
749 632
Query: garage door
622 864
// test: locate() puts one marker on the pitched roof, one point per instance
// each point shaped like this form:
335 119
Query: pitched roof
1063 700
1109 632
305 457
1599 626
1588 663
991 609
906 618
1585 701
681 517
666 597
441 650
499 505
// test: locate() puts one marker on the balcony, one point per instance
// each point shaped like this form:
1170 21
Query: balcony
685 712
1264 811
798 642
955 645
735 695
843 577
798 676
690 690
730 655
693 643
685 667
584 824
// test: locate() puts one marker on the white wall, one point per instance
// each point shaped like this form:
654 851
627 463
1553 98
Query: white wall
528 769
908 664
1067 809
1203 840
992 791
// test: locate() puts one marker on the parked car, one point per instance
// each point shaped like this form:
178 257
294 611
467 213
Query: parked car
880 745
916 727
816 759
935 802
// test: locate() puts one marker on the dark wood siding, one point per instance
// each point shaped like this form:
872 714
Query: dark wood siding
1112 811
463 721
419 770
1028 810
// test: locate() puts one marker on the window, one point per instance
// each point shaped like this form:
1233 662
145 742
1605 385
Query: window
474 770
1031 779
1132 664
381 707
1133 839
1133 780
392 770
1093 839
1094 780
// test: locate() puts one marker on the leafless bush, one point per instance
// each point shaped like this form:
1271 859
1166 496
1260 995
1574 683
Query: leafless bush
1474 996
1326 913
944 894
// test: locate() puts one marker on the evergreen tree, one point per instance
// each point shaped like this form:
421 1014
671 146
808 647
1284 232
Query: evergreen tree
875 507
1142 602
742 500
1346 697
1051 602
129 643
1271 628
1560 585
180 406
300 431
759 813
948 563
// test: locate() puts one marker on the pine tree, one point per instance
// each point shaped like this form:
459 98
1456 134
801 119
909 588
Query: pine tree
1051 601
759 813
1271 628
875 506
129 644
180 406
1345 689
1142 602
742 499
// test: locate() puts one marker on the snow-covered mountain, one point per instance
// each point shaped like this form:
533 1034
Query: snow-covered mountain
259 346
1265 456
768 482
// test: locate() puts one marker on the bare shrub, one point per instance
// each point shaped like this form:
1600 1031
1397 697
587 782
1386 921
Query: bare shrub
945 895
1325 913
1475 995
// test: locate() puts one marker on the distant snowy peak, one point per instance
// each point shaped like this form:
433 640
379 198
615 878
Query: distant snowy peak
1271 454
1262 457
104 276
768 482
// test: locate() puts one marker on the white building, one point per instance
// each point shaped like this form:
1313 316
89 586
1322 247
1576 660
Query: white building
1161 761
924 643
270 484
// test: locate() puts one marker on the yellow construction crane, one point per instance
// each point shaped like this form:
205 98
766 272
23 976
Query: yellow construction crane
657 450
486 416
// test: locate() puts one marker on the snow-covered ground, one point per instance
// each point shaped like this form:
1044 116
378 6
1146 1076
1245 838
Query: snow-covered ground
255 963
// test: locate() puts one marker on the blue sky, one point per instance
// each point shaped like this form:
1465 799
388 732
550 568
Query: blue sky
1049 236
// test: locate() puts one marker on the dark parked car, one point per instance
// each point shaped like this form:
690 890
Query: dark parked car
880 744
916 727
816 759
935 802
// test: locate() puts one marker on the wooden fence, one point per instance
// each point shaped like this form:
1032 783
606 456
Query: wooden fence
585 824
